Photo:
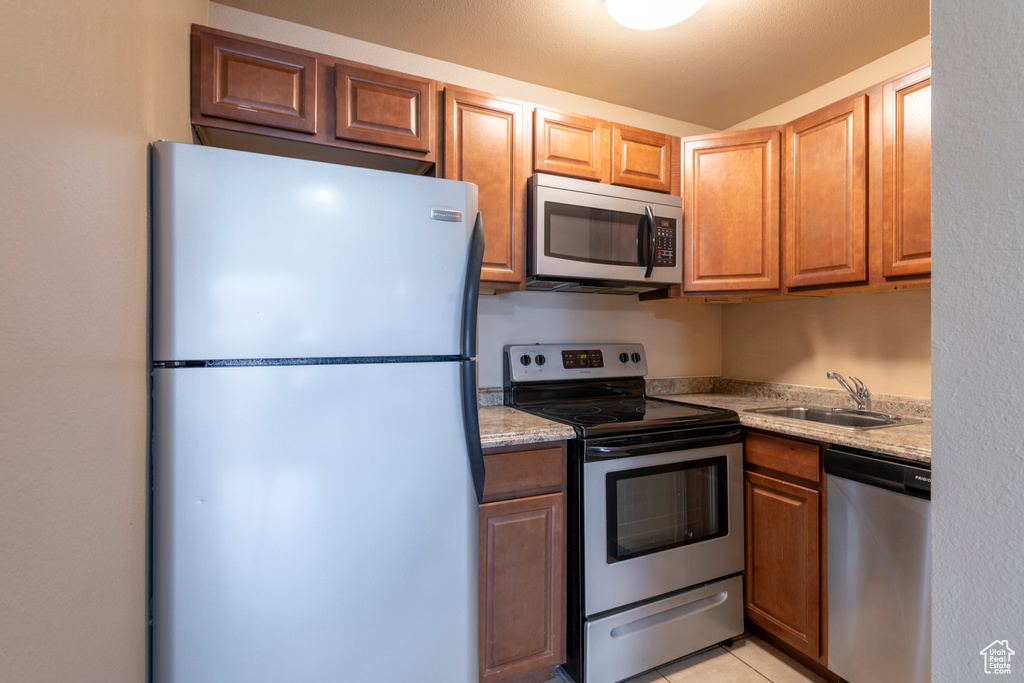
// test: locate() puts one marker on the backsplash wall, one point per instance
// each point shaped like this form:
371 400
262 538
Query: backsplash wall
884 339
680 340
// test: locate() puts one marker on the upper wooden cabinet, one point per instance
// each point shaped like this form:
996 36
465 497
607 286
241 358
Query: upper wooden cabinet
907 177
641 158
384 108
485 144
263 97
239 80
825 185
592 149
568 144
731 211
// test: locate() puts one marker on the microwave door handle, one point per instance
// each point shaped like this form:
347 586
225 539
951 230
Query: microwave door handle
640 226
650 241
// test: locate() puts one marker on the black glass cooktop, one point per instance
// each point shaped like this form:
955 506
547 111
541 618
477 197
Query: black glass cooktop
624 414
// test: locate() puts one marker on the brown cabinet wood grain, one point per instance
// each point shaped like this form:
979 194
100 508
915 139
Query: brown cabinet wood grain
789 456
521 585
485 145
258 96
906 189
569 144
783 578
825 196
592 149
522 563
731 211
249 82
785 538
382 107
641 158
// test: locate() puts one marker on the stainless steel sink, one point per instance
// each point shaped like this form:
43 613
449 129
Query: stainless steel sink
845 418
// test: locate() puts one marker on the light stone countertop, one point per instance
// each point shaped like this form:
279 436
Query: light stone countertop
909 442
505 426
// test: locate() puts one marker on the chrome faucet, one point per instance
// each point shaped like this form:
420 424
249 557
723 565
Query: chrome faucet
861 395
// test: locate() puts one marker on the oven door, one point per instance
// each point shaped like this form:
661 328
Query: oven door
657 522
603 238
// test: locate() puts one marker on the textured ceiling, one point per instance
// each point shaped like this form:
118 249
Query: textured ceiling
732 60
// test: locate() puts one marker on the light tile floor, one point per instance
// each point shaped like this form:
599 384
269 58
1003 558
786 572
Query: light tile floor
749 660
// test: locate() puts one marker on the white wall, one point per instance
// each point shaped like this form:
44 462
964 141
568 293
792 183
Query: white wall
978 331
86 85
884 339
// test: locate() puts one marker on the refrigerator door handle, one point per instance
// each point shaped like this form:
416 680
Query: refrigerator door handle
472 423
472 293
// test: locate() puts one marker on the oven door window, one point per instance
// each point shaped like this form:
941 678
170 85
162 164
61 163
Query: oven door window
667 506
593 235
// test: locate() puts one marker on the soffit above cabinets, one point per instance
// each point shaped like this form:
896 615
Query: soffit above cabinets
731 60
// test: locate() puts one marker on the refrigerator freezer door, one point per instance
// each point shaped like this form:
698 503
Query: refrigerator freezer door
258 256
313 523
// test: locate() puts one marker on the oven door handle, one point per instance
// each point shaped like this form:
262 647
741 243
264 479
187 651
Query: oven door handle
611 452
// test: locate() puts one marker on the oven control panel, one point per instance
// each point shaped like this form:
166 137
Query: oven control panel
551 362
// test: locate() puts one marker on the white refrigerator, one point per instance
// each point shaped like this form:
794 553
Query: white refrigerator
316 457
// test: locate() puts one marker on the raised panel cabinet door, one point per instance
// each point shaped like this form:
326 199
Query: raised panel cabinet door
382 107
255 83
907 176
484 144
641 158
522 549
570 145
731 211
783 576
825 200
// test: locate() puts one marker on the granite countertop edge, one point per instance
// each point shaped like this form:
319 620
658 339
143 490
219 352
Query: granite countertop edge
909 442
505 426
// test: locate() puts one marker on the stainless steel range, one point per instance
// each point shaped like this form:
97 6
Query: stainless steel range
655 522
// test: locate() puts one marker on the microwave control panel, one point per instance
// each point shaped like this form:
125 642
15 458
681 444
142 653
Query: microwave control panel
665 242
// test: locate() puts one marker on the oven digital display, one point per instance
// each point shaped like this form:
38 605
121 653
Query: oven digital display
572 360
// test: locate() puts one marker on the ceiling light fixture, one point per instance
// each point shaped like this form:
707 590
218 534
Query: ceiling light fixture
647 15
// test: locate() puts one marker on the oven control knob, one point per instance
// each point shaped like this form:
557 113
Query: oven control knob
541 359
524 359
636 357
623 357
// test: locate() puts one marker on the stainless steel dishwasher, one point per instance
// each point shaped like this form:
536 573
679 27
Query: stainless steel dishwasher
879 568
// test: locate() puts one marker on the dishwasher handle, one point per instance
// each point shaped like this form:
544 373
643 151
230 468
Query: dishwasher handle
876 471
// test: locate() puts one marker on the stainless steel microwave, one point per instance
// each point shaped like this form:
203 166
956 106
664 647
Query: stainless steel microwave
590 237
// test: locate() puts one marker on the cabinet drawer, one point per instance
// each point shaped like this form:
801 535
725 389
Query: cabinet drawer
519 473
797 458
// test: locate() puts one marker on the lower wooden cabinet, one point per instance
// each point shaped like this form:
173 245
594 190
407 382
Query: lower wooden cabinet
522 563
785 525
